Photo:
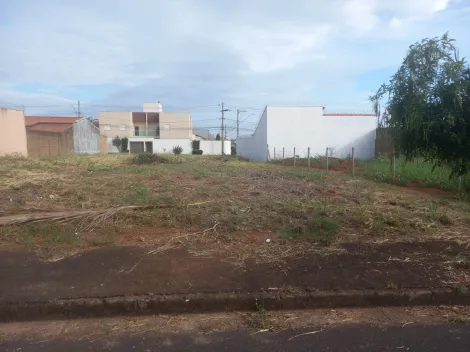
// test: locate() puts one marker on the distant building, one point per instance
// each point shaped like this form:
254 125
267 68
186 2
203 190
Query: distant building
51 136
12 132
281 129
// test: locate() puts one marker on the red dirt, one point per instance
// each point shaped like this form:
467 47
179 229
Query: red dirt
329 193
429 190
114 271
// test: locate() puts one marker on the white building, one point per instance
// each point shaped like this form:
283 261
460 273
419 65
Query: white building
281 129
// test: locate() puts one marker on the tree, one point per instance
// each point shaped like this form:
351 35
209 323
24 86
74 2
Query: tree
217 137
427 107
117 142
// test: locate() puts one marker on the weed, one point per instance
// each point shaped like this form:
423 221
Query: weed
52 233
141 196
104 240
200 173
460 288
260 319
232 227
460 319
391 286
148 158
318 228
462 261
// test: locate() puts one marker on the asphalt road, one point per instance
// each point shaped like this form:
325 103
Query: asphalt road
347 338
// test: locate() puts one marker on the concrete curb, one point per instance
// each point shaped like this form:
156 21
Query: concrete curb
201 303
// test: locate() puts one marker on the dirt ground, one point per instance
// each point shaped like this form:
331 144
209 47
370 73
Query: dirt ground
232 212
121 271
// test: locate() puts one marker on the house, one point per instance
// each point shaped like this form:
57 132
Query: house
281 129
12 132
51 136
201 134
152 130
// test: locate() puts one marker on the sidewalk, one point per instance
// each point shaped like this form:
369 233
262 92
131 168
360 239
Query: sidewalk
128 272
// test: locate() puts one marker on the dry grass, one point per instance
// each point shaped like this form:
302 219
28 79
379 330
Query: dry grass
296 210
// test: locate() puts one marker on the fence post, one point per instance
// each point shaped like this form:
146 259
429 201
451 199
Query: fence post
294 156
326 159
282 155
353 163
274 154
267 152
394 180
308 154
460 183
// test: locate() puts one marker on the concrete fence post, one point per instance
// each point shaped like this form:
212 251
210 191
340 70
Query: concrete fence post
274 154
394 170
294 156
283 155
353 163
308 156
326 159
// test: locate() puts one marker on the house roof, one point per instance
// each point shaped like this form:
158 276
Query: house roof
32 120
139 117
50 127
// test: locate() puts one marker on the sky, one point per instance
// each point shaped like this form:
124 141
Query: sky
191 55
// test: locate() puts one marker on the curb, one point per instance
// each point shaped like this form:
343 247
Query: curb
202 303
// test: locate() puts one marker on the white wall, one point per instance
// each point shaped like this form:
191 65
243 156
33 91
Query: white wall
111 147
166 145
254 147
303 127
215 147
86 137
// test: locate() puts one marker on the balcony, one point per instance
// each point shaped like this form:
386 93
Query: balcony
142 132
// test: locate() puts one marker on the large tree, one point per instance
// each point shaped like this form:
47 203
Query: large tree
427 105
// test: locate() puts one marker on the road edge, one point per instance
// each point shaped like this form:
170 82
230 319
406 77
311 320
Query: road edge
221 302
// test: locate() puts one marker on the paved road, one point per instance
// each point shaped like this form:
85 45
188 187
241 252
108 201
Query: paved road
349 338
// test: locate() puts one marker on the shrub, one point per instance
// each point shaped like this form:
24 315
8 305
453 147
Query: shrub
124 144
117 142
196 145
148 158
233 150
197 151
177 149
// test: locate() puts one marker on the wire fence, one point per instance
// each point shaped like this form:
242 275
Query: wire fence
304 158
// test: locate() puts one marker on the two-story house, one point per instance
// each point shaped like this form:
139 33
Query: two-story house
152 122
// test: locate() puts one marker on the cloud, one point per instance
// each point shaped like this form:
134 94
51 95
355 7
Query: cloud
186 53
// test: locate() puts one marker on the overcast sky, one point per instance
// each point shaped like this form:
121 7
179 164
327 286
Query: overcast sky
193 54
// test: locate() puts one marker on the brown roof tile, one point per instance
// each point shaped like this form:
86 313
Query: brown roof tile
31 120
50 127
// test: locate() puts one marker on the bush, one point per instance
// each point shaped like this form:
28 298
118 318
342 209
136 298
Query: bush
177 149
148 158
117 142
124 144
196 145
197 152
233 150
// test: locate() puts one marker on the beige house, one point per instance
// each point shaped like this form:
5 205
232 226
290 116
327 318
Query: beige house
156 123
12 132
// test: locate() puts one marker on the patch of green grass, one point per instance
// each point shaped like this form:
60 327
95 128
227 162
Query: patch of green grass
317 228
460 319
52 233
93 167
200 173
140 196
104 240
460 289
416 171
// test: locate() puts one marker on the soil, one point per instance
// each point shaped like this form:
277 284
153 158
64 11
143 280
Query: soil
428 190
117 271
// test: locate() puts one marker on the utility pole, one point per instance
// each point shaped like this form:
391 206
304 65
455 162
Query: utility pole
222 136
238 121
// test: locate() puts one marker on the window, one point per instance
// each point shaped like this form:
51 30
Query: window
107 127
166 127
136 130
122 127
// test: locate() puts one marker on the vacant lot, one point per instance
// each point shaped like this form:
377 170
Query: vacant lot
215 205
